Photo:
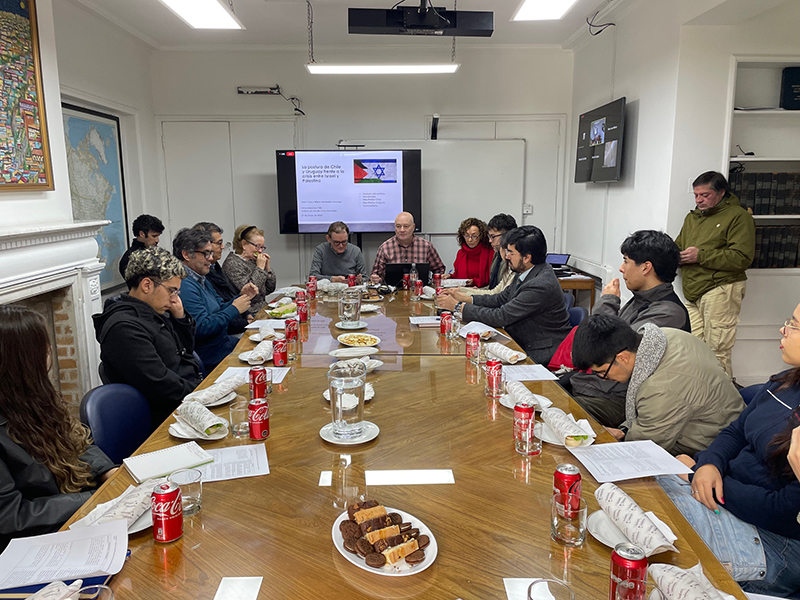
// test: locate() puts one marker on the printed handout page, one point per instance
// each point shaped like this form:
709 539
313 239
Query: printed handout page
628 460
274 323
278 373
363 189
66 555
425 321
236 462
528 373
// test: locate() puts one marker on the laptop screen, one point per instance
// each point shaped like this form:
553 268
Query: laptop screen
557 259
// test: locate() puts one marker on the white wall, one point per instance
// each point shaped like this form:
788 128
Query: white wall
26 209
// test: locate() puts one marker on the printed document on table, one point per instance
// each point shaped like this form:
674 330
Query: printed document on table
628 460
236 462
274 323
66 555
423 321
528 373
278 373
476 327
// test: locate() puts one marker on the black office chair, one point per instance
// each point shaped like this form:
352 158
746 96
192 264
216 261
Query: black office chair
576 315
119 418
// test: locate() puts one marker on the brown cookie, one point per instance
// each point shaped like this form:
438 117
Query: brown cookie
363 547
415 557
349 529
414 533
375 523
350 545
396 518
352 510
405 526
369 504
423 541
375 560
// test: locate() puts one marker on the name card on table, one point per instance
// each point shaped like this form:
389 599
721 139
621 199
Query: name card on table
238 588
409 477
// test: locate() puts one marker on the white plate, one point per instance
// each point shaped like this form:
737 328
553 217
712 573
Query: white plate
373 342
603 529
353 352
399 569
357 325
544 432
369 433
145 521
369 393
378 299
224 400
179 430
367 308
256 337
245 357
508 401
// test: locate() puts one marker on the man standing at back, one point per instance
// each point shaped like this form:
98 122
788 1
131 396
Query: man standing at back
405 247
146 231
213 316
337 258
146 338
717 242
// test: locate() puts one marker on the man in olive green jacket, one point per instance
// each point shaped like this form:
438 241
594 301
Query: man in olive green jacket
717 243
678 394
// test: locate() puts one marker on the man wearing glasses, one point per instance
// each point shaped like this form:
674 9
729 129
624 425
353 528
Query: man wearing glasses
146 338
678 394
337 258
212 315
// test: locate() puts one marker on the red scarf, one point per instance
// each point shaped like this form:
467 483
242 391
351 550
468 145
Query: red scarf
473 263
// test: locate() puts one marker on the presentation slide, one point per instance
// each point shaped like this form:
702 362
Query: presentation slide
363 189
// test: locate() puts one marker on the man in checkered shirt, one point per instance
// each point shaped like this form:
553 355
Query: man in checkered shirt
405 247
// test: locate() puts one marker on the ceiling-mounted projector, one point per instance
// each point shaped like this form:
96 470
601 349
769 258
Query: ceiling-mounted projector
421 20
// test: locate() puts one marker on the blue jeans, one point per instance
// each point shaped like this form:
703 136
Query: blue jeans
761 561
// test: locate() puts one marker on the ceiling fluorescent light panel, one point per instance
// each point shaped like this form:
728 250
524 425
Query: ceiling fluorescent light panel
205 14
323 69
543 10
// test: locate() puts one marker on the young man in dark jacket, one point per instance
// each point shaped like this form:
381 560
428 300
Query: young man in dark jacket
146 338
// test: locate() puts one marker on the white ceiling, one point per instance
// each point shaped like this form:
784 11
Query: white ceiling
283 24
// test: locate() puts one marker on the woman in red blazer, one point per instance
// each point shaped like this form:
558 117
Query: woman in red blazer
474 259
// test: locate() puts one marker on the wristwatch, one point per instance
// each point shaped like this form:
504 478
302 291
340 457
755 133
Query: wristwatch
458 310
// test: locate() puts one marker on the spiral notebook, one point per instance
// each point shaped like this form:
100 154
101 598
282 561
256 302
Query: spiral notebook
167 460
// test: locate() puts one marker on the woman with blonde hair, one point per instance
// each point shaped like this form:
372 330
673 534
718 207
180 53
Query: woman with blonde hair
474 259
48 465
248 263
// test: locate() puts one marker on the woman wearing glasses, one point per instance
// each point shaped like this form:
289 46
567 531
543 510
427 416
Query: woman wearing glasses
48 465
474 259
742 497
248 263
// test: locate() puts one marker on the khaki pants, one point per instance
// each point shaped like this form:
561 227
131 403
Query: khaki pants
714 317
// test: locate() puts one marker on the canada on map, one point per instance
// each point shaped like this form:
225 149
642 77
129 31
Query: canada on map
95 182
22 156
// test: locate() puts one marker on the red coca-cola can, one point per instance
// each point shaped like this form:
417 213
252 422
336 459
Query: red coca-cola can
524 420
258 417
406 280
299 297
473 345
302 311
351 281
446 323
279 353
567 480
494 378
439 290
311 287
167 507
258 382
628 563
418 287
437 280
292 327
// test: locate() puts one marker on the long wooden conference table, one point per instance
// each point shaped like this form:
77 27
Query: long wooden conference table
493 523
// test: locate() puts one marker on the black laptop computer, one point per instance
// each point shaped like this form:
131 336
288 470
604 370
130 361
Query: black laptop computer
559 263
395 271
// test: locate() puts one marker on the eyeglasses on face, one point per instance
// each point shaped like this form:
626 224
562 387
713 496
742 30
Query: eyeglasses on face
791 323
207 253
494 236
221 244
342 243
605 373
472 237
259 247
173 291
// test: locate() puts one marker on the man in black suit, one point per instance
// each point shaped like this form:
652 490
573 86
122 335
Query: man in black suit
532 309
498 226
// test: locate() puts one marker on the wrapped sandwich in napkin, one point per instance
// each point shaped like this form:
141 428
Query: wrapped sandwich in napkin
291 290
282 310
428 292
519 393
217 391
261 353
675 583
198 418
631 520
504 353
565 427
267 333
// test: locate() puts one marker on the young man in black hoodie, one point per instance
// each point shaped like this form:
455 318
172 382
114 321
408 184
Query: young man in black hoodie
146 338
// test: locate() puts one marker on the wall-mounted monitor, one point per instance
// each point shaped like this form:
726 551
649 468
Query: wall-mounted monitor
364 188
599 155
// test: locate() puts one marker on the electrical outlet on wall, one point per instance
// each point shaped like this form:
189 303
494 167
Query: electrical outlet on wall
527 209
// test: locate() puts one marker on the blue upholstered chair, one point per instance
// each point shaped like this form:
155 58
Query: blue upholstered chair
569 299
751 391
576 315
119 418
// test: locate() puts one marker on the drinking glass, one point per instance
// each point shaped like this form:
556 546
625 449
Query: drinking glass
568 519
346 387
92 592
494 387
632 590
291 350
455 327
349 306
240 423
191 483
549 589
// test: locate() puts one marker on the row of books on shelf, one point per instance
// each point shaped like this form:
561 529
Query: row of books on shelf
767 193
777 247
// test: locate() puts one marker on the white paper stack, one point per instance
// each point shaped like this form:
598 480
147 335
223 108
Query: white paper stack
569 431
200 420
632 521
504 353
518 391
675 583
261 353
217 391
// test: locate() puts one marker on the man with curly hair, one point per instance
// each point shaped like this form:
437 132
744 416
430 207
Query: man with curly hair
146 337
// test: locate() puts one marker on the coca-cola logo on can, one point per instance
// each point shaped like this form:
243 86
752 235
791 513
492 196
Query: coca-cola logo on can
258 412
300 296
291 329
169 508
